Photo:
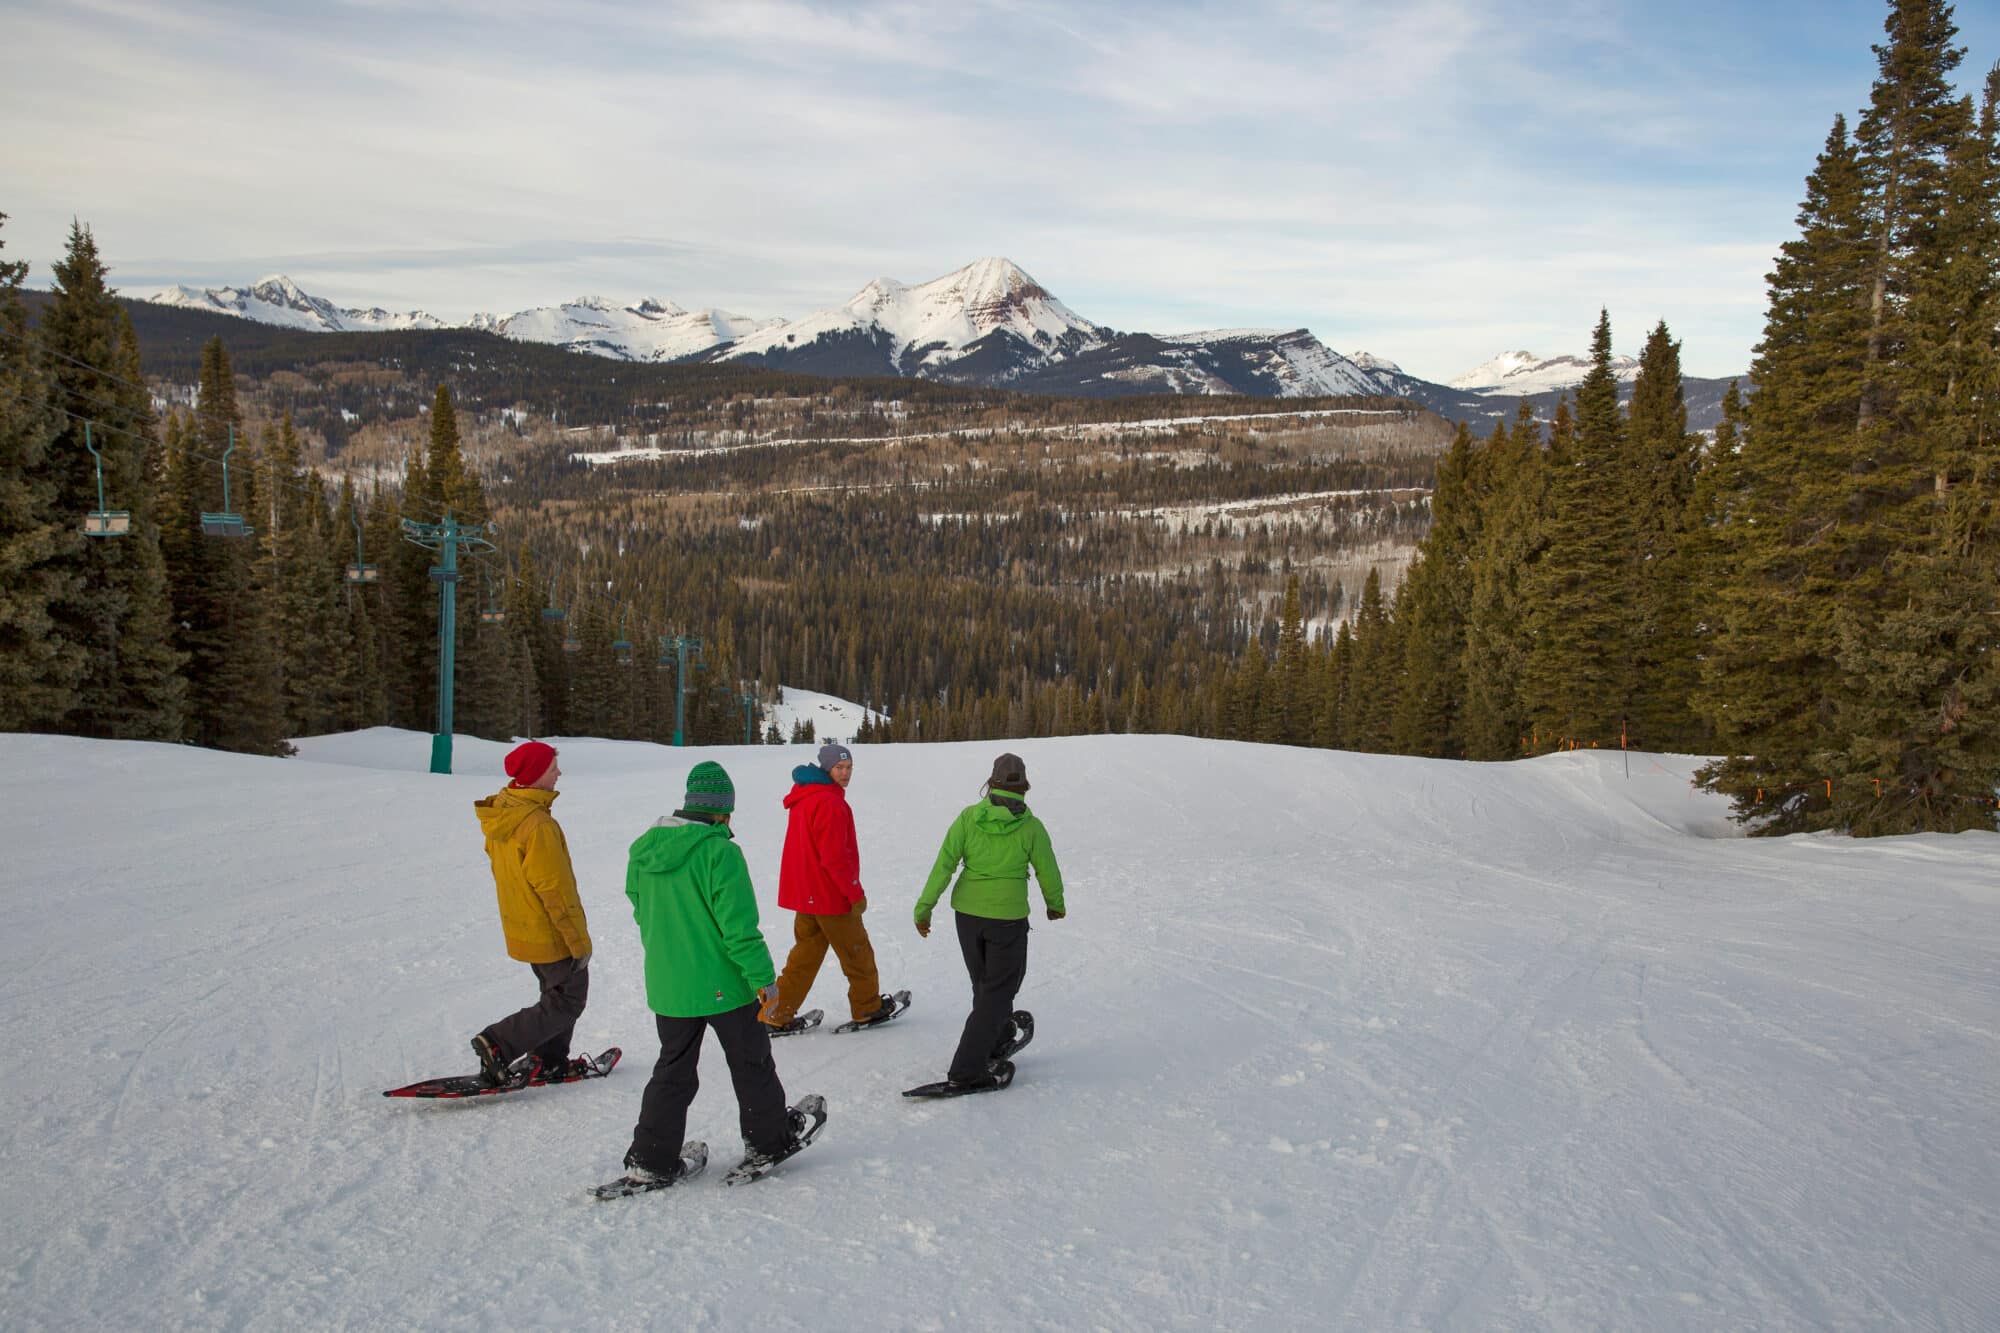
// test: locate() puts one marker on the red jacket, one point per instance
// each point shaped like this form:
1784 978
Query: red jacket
821 871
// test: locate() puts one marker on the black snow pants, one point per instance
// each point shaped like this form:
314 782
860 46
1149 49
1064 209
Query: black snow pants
544 1027
760 1097
996 958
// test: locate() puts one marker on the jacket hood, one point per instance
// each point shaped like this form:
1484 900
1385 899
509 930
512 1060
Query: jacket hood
1000 818
500 814
670 842
805 786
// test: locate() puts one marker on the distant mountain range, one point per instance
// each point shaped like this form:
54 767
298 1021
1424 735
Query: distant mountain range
989 323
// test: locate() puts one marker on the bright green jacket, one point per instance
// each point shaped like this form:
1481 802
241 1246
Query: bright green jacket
697 915
998 847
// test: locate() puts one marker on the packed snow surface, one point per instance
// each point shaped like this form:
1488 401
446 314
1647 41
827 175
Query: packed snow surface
1327 1041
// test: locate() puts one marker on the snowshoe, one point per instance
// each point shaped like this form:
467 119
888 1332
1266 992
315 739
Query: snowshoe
804 1022
638 1180
808 1118
892 1005
1020 1031
1000 1073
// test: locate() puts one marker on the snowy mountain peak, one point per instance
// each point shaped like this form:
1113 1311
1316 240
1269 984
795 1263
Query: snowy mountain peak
1370 362
964 306
276 299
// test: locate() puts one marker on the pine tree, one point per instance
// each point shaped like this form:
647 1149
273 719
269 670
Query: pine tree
1432 606
119 612
1578 599
1375 679
221 605
1511 483
1853 534
1920 686
1663 460
41 548
363 701
302 577
1294 724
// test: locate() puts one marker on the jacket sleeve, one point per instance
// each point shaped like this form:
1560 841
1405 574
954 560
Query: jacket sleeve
733 904
946 865
1042 856
545 865
839 849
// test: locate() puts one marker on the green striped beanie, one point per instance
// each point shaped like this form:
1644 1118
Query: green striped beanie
709 789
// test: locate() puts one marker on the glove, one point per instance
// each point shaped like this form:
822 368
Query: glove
924 929
767 997
582 960
1055 915
860 906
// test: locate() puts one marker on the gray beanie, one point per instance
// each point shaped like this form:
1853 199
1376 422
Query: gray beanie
832 753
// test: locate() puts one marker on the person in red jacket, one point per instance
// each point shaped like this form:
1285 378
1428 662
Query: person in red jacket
820 880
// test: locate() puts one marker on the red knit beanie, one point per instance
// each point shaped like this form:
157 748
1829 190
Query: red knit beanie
527 762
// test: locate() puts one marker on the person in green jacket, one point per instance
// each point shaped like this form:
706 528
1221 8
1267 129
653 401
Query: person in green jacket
706 967
997 841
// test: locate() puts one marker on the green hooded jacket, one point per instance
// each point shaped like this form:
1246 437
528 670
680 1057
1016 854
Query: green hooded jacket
998 847
697 915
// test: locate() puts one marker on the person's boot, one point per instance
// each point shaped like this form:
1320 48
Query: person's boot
492 1065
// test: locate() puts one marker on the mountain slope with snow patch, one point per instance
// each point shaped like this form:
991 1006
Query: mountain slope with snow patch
647 330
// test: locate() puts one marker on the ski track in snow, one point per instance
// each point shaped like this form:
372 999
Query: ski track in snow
1328 1040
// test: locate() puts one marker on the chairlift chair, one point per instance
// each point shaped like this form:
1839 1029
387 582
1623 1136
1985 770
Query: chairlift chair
489 612
102 522
224 523
360 571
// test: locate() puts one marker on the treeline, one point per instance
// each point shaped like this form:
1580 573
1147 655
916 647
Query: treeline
198 585
1815 594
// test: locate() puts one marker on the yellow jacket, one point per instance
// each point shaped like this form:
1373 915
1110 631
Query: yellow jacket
539 910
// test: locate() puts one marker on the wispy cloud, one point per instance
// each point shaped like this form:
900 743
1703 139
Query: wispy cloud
1433 180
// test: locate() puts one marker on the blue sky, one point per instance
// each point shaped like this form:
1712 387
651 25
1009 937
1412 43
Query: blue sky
1433 182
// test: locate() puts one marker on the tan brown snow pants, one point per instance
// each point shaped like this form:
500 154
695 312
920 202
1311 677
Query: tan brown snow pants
811 937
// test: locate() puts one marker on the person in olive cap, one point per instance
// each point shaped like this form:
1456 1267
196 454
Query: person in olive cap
998 842
540 914
706 967
819 880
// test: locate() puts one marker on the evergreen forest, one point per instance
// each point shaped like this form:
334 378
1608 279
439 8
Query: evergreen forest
227 536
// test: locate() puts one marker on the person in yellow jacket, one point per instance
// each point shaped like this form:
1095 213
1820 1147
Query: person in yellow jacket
540 914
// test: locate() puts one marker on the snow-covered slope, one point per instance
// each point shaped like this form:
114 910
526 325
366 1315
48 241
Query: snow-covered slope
1326 1041
648 330
833 718
278 300
1523 374
1299 364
